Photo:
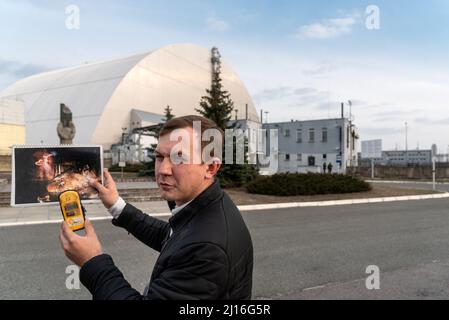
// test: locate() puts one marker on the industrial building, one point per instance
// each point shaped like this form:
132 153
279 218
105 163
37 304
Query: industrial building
111 99
113 102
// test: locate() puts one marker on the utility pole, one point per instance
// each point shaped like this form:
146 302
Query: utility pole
406 136
351 138
433 173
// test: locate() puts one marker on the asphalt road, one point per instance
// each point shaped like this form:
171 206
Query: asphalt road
300 253
444 187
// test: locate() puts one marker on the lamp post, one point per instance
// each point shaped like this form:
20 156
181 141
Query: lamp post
406 142
351 138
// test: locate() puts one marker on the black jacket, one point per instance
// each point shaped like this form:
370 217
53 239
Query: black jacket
208 256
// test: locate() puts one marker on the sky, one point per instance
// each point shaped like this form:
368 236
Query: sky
298 59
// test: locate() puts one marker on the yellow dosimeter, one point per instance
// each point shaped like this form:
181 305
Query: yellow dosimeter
72 210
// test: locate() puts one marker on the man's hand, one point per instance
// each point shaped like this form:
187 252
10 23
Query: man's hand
80 249
108 193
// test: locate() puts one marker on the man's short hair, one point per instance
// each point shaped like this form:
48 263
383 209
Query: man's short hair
187 122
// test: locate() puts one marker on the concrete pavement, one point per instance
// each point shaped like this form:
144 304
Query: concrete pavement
300 253
51 213
120 185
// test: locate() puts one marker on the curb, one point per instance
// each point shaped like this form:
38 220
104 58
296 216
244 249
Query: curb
38 222
340 202
258 207
406 182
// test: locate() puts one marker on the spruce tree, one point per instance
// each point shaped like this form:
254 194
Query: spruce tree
154 132
217 105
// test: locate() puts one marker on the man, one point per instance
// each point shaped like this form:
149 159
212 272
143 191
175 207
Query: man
205 249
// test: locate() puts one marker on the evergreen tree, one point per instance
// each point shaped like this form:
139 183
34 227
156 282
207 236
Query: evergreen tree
154 132
217 105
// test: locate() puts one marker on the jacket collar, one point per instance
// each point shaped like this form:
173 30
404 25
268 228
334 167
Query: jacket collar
210 194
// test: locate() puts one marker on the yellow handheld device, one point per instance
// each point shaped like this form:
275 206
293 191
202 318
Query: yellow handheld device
72 209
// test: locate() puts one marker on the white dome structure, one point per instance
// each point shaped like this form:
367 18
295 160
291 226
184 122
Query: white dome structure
102 95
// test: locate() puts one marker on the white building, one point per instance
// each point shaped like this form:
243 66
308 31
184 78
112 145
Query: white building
304 146
110 98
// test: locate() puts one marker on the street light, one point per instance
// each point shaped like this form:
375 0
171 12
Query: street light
351 135
406 143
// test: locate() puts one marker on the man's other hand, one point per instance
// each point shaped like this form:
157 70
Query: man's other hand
80 249
107 193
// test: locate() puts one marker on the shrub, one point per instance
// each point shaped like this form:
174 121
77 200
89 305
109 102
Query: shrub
293 184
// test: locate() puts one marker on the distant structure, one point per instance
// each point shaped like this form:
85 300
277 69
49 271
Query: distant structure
66 128
12 129
401 158
304 146
434 149
128 92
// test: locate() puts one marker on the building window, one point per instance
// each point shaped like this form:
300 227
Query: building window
287 133
311 135
299 157
299 135
324 134
287 157
324 156
311 161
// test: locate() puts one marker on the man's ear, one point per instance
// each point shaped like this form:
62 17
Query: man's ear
212 168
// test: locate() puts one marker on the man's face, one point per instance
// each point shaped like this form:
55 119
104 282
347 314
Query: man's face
179 182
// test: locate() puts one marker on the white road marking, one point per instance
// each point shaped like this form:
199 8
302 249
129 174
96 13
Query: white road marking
269 206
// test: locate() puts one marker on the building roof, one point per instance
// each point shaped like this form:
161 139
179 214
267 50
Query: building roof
102 95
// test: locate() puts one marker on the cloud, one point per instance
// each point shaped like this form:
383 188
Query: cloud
217 24
427 121
302 91
327 29
20 70
296 97
324 67
275 94
282 93
393 114
380 131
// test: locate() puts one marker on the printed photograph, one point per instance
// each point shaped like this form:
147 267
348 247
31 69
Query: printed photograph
243 150
42 173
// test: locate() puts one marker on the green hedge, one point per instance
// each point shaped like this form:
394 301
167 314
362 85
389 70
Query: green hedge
293 184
